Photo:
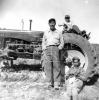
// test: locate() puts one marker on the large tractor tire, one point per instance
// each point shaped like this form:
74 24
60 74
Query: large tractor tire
78 46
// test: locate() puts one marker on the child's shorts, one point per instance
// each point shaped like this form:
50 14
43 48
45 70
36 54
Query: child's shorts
73 86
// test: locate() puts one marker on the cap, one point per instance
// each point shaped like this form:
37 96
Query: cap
52 20
67 16
75 59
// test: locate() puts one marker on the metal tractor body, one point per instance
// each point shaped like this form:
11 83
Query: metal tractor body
20 44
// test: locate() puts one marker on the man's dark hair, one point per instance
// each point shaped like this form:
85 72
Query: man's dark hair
67 16
52 20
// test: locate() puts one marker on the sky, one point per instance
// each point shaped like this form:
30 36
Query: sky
84 13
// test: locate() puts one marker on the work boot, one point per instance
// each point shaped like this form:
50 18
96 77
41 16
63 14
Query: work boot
56 85
49 86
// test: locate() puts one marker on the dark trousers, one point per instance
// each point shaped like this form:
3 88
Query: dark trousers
52 64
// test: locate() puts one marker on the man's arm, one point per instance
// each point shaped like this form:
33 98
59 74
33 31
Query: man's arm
61 42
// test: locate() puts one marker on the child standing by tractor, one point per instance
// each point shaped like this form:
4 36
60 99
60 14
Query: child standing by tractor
74 82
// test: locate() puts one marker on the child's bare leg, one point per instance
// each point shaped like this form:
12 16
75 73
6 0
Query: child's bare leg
69 91
75 94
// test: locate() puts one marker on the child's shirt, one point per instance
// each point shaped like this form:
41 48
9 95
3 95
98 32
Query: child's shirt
75 72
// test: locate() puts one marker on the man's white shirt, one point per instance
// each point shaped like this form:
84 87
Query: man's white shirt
52 38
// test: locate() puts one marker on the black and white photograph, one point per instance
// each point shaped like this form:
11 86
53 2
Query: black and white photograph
49 49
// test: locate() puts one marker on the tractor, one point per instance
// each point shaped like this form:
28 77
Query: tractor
16 44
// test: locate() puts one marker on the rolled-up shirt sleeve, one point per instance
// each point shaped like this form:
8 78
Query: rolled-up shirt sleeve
61 45
44 42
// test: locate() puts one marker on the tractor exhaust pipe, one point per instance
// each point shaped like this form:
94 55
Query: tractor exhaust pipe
30 27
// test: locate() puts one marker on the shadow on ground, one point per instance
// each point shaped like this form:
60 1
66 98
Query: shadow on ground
21 67
27 67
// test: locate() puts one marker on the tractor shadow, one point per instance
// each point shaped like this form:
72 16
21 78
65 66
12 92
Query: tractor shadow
20 67
93 81
27 67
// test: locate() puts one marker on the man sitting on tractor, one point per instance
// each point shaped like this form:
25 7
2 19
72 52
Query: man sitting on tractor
68 27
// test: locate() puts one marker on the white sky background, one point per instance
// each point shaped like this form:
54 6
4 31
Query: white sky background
84 13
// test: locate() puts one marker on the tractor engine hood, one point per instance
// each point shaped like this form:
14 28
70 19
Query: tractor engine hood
24 35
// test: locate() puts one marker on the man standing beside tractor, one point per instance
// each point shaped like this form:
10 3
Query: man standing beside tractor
52 43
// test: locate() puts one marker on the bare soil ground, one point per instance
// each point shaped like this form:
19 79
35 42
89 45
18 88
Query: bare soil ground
29 85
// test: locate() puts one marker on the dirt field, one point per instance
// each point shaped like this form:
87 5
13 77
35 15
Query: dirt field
29 85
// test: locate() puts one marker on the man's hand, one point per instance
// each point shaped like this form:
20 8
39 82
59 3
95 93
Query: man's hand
59 47
43 51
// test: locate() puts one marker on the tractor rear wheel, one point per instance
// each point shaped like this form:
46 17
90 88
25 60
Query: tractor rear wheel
76 45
